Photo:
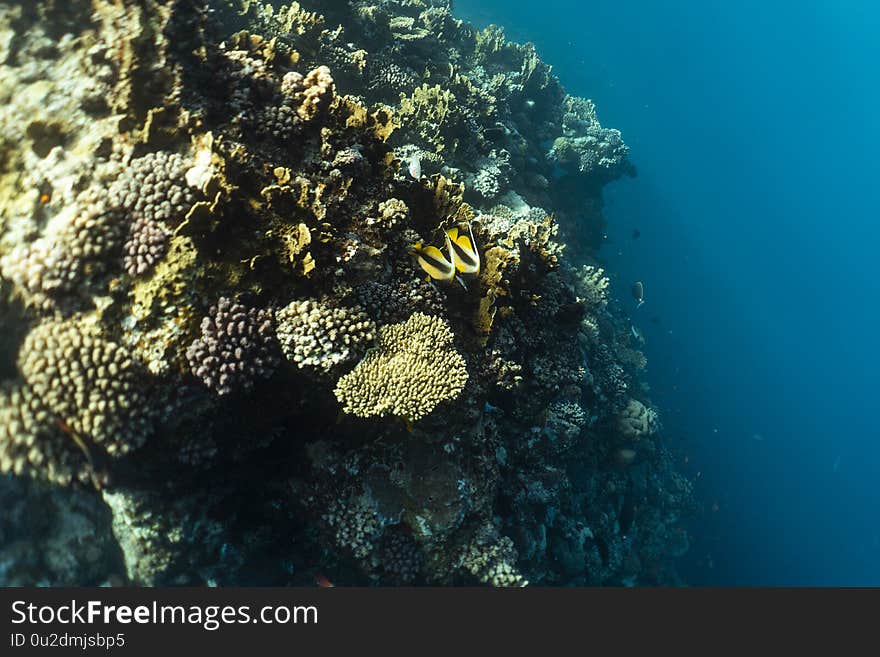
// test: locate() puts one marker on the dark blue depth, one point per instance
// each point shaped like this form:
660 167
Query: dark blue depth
753 126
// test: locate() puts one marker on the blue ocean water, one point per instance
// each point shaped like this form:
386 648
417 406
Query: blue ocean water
752 125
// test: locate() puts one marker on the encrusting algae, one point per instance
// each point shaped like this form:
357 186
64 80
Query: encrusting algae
219 337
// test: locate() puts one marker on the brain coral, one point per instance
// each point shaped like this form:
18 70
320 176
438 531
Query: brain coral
315 336
413 368
637 420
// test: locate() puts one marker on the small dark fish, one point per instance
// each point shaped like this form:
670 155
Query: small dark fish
655 320
636 233
638 292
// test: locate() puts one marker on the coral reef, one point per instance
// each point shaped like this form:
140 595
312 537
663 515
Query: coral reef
219 363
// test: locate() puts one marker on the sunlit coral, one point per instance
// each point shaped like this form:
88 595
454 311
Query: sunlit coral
412 369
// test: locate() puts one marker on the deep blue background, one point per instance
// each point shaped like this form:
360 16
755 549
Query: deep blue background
754 126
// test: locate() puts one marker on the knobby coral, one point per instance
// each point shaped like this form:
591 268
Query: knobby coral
236 346
315 336
637 420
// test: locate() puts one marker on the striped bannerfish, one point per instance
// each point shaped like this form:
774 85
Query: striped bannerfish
434 263
467 258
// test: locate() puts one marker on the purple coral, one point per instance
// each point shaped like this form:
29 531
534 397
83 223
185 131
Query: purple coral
279 122
236 347
145 246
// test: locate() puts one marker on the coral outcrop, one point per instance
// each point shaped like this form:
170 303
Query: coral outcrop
219 363
235 347
636 420
318 337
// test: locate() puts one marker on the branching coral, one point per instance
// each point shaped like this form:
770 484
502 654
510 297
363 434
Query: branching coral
433 111
412 369
592 286
392 213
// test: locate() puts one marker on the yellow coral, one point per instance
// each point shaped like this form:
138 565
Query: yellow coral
430 109
412 369
592 286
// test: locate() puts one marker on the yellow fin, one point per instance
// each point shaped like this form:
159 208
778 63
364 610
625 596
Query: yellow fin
467 260
433 252
453 234
435 264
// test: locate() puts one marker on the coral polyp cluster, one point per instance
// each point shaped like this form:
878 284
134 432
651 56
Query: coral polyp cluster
81 397
215 331
235 347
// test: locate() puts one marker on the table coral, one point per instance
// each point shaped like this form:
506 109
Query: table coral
413 368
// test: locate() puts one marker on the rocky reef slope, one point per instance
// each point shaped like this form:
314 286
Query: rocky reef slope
221 364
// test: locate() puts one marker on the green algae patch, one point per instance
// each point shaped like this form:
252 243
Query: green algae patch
173 276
